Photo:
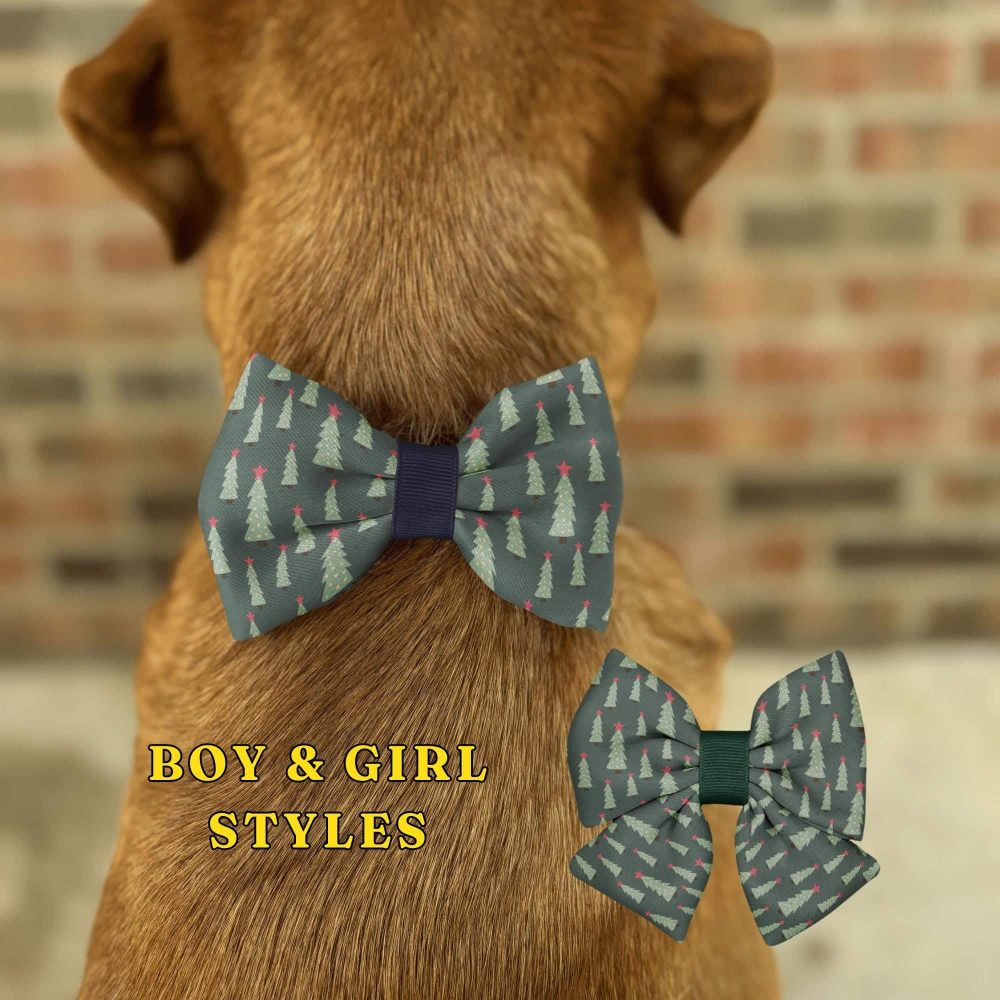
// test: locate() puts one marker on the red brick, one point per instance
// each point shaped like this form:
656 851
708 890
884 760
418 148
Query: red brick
982 221
989 64
136 253
747 434
773 149
740 296
920 292
904 360
35 322
913 146
26 256
70 508
784 364
987 429
660 433
13 569
884 430
989 362
780 554
58 180
851 67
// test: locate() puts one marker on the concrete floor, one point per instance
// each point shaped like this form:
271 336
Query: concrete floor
924 928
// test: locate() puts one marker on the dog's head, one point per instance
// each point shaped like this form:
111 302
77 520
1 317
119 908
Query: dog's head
478 166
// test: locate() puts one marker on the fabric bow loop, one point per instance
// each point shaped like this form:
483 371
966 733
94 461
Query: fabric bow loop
301 495
641 764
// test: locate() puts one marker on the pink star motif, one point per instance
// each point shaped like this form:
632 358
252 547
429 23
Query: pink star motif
843 760
593 442
802 687
639 875
213 521
333 533
297 510
334 410
586 603
291 392
815 734
475 434
699 863
569 387
607 781
815 888
548 556
619 726
614 680
645 751
262 399
584 755
815 866
564 468
516 512
670 696
480 522
753 871
529 455
487 480
362 517
249 560
299 599
666 770
539 405
604 506
777 881
600 711
528 605
235 452
333 482
785 762
250 616
687 761
762 706
259 471
684 802
283 547
579 545
836 715
860 786
393 452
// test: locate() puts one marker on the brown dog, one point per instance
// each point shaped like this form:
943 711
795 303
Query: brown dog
415 203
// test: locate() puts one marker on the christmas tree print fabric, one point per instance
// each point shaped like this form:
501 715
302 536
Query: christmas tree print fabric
297 500
634 761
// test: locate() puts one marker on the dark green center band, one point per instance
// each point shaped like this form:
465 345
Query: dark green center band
724 767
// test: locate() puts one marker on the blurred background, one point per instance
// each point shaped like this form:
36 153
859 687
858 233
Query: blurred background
816 430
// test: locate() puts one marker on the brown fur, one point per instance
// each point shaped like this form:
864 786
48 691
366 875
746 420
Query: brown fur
415 203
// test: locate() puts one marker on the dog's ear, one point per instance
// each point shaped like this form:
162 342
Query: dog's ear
716 79
122 107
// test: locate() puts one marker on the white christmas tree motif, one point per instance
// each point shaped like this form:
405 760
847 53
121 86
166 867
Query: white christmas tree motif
543 428
616 758
796 902
282 579
508 410
753 850
827 803
644 857
827 904
811 668
487 500
759 891
852 874
816 766
640 827
482 553
583 773
301 601
611 698
544 588
366 523
285 417
841 785
856 722
596 729
290 474
836 670
640 725
835 736
803 873
477 458
363 434
804 709
804 837
595 467
240 393
645 770
309 394
578 579
549 377
336 568
797 743
864 754
253 584
679 848
515 538
229 489
307 541
219 563
253 432
258 521
589 871
615 869
783 696
609 795
776 859
565 505
253 629
636 693
786 777
328 445
856 818
668 784
575 410
599 539
804 805
536 484
824 691
762 730
667 923
632 790
377 486
633 894
665 723
391 463
834 863
684 873
588 377
279 374
331 509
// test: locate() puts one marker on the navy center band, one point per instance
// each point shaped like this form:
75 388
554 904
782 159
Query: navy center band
426 491
724 767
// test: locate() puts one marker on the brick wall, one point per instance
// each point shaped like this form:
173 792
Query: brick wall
817 425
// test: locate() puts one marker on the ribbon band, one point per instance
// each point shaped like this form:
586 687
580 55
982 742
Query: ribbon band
426 486
724 767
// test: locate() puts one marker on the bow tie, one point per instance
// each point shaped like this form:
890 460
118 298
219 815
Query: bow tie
639 760
301 495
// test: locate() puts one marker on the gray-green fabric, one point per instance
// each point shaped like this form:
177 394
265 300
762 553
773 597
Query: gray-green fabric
634 761
297 499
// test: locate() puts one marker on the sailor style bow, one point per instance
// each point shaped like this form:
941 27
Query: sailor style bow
301 495
641 764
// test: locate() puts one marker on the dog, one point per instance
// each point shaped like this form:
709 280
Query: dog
415 203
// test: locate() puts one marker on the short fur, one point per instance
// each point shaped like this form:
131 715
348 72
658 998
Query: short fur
415 203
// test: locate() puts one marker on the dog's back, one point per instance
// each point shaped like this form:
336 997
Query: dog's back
415 204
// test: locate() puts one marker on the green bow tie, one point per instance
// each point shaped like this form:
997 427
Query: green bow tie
301 495
641 765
